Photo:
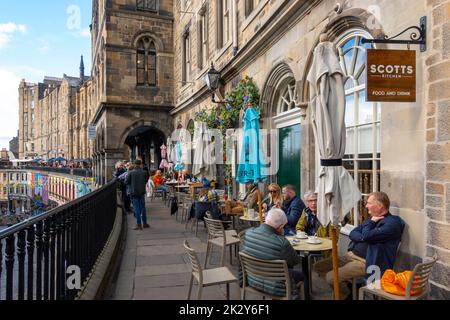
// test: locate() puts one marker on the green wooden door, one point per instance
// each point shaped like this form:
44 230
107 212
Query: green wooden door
289 160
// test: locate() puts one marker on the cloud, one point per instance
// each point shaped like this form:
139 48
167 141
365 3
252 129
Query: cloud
44 46
7 30
9 106
83 33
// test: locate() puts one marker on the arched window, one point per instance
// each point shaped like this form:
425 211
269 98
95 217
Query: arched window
146 62
288 97
362 120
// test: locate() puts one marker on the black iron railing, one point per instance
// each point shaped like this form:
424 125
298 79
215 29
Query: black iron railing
35 255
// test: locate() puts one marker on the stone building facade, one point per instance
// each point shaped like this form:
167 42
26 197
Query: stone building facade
132 59
53 118
401 149
149 60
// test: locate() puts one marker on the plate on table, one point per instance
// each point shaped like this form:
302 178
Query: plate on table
294 241
313 241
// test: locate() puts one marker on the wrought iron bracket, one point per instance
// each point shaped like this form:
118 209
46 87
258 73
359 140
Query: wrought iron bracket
417 36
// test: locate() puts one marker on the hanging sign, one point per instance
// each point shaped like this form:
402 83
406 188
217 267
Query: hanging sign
391 75
92 133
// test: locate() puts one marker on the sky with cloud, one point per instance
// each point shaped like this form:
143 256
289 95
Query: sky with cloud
37 39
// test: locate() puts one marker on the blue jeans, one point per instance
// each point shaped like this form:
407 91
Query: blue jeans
139 209
164 188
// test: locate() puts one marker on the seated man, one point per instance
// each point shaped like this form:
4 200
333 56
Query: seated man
207 201
373 243
308 222
292 207
251 198
267 242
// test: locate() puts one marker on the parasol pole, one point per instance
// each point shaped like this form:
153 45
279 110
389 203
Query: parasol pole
335 264
260 207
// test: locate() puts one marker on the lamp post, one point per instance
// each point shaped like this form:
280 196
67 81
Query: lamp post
212 79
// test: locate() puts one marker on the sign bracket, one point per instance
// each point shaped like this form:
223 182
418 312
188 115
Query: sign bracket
418 36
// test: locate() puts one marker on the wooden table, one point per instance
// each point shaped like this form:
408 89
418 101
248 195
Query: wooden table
304 250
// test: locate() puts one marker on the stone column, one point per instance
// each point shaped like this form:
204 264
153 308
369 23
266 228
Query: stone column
437 189
112 156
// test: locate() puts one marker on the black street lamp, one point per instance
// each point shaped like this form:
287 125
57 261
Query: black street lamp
212 79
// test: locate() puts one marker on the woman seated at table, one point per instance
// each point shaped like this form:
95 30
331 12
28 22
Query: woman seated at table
159 182
250 200
273 199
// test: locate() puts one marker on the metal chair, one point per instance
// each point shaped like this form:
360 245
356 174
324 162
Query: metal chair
155 193
269 270
221 238
417 282
361 281
207 277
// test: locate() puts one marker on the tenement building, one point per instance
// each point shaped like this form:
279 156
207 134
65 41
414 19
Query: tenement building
150 59
53 117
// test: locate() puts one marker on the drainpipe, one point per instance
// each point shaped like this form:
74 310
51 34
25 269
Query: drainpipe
234 17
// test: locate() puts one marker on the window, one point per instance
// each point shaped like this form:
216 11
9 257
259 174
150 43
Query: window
203 39
226 21
186 58
288 97
250 5
223 22
362 119
185 4
32 104
146 62
147 5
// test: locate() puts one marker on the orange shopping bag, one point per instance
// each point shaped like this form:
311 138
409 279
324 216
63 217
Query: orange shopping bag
396 283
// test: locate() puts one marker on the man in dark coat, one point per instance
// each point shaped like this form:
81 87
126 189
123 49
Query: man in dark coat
373 244
136 181
267 242
293 207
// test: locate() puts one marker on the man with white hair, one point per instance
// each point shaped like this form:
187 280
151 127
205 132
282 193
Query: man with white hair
267 242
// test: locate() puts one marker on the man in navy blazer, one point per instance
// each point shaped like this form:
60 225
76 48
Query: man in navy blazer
293 207
373 243
382 233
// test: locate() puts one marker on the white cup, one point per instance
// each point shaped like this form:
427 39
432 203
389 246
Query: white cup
300 234
251 213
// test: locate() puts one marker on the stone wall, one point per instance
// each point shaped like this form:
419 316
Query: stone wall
437 178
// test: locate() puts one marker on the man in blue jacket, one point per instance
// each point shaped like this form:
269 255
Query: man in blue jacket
293 207
373 243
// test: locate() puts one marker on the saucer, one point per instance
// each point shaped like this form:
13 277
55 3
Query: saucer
294 241
309 241
301 237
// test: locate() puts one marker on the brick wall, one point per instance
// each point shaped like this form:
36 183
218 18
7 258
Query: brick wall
437 189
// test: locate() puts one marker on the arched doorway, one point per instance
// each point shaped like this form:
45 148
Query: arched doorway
145 142
280 105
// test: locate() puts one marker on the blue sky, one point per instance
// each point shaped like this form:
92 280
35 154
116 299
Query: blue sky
37 39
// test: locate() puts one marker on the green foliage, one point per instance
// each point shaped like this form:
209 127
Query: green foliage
226 116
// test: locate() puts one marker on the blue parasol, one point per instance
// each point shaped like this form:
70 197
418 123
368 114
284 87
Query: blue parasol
251 168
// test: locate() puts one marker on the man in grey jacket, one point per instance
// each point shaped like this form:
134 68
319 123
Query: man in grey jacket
136 181
267 242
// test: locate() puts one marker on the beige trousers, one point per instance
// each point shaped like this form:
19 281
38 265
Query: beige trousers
350 266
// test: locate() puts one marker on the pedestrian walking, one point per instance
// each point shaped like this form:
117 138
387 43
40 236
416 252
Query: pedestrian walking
136 181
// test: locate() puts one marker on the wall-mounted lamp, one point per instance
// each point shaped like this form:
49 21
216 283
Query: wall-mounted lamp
212 79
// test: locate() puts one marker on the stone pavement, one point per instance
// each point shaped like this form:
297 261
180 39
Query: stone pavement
155 266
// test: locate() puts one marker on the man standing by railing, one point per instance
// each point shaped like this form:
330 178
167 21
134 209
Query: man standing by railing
136 180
